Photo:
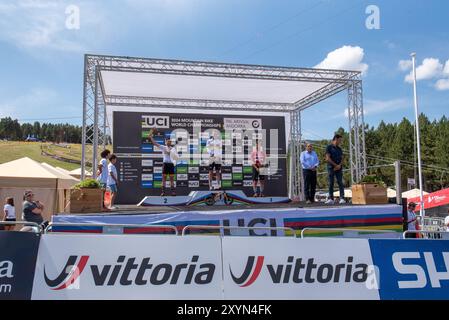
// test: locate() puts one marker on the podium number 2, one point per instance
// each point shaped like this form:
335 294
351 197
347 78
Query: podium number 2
165 200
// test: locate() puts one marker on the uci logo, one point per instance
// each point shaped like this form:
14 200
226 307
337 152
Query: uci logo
270 225
403 263
155 122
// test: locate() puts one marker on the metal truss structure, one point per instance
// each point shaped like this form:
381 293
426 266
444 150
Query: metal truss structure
95 100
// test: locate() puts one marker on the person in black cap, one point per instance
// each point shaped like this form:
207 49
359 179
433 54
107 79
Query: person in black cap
411 220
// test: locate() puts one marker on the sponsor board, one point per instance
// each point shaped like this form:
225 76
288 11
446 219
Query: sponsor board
242 123
71 267
18 253
263 220
255 268
413 269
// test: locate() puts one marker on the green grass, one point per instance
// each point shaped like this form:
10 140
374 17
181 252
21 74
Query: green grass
12 150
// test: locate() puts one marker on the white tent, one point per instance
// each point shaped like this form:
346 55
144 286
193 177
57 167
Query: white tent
391 193
412 193
48 186
76 173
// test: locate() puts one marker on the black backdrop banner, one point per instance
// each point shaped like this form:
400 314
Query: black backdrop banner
18 254
139 163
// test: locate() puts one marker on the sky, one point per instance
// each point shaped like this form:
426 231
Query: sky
42 49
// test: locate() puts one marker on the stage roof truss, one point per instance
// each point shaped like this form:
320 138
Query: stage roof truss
131 81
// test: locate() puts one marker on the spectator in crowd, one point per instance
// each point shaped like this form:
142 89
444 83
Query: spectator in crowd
309 163
446 221
9 213
411 220
334 159
112 181
32 209
102 173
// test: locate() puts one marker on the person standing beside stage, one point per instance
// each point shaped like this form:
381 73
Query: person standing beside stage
411 220
446 221
168 167
309 162
102 173
258 157
334 159
112 181
214 149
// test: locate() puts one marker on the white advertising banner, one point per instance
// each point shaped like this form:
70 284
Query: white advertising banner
288 268
128 267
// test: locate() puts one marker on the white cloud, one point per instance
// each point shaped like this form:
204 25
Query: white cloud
405 65
442 84
429 69
346 58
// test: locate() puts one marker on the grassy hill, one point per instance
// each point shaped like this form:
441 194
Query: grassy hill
12 150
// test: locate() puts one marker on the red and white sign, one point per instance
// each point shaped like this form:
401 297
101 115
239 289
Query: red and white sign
432 200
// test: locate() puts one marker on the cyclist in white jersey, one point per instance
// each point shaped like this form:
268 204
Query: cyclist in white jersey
169 154
214 149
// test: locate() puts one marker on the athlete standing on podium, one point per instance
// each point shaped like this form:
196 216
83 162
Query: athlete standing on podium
214 149
168 168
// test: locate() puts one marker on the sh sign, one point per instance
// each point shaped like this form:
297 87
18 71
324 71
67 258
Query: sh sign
412 269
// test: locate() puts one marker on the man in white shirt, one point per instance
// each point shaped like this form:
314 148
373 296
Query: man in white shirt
214 149
411 220
168 167
309 162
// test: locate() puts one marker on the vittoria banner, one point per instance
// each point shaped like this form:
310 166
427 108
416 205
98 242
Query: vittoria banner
18 253
285 268
238 268
133 267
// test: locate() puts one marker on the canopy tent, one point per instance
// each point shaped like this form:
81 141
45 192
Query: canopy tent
76 173
432 200
412 193
63 170
65 181
48 186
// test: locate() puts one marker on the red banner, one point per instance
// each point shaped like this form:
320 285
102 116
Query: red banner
432 200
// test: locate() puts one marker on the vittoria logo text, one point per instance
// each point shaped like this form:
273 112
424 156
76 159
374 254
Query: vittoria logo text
300 270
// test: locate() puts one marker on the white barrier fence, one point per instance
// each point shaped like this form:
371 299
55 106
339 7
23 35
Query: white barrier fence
212 267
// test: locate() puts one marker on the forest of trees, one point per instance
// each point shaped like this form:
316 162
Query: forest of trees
390 142
12 130
384 144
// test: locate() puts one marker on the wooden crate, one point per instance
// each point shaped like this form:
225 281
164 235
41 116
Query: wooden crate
85 200
369 193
